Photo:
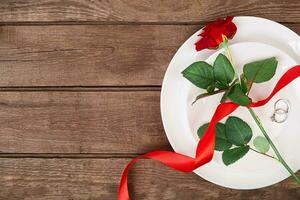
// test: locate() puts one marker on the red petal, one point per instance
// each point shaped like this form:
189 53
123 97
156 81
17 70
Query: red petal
205 43
218 22
230 30
229 19
212 33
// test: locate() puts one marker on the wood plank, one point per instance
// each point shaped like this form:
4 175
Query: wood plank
47 179
81 122
103 55
169 11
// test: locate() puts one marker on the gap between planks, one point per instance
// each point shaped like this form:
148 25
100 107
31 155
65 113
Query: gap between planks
87 23
126 88
70 155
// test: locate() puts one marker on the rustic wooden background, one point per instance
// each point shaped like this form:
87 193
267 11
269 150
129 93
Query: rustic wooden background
79 96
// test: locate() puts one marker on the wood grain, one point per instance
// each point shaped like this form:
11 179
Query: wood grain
89 179
126 122
102 55
137 11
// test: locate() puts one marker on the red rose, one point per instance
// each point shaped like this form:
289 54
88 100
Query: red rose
212 33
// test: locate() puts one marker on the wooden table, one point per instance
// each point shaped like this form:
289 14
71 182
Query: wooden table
80 89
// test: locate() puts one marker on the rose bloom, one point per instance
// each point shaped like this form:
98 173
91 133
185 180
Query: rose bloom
212 33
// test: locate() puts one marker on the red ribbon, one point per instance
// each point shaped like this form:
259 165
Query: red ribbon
205 148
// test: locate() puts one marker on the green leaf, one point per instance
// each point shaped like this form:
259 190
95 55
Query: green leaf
230 156
200 96
200 74
261 144
238 131
210 88
260 71
224 97
223 71
222 142
237 95
221 85
244 83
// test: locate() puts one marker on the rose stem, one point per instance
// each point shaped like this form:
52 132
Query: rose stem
208 94
229 56
280 159
259 124
262 153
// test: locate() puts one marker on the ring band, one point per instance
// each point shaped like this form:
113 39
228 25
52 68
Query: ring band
280 115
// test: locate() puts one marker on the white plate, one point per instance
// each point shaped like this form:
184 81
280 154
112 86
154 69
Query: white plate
256 38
